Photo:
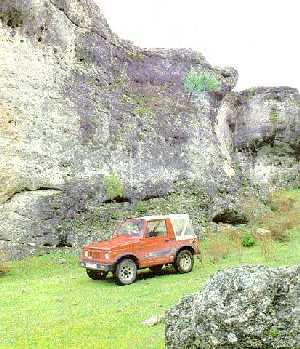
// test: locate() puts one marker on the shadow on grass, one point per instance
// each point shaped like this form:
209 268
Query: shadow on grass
143 274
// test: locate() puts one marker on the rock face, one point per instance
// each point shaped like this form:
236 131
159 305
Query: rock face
245 307
77 104
262 129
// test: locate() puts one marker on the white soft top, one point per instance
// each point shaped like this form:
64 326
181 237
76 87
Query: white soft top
181 224
171 216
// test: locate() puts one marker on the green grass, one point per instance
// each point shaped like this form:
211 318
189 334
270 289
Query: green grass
44 304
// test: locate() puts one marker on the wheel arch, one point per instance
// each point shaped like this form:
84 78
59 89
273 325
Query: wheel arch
189 248
130 256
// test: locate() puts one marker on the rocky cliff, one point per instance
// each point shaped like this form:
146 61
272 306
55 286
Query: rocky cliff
78 105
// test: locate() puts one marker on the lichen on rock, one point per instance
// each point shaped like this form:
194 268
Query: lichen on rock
243 307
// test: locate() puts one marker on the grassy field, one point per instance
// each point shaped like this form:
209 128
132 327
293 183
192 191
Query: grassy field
46 304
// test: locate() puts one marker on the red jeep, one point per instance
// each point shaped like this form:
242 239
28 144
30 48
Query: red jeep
146 242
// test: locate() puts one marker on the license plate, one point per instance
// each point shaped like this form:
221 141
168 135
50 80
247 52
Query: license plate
91 265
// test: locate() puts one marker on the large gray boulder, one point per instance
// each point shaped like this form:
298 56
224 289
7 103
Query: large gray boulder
244 307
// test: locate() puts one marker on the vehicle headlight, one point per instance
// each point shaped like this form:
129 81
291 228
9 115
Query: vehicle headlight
106 256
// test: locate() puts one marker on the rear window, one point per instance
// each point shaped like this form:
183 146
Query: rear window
182 227
189 230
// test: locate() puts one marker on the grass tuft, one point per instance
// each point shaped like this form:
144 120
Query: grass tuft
4 265
284 216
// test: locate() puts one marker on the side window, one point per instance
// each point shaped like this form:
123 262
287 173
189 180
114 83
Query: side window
189 230
157 228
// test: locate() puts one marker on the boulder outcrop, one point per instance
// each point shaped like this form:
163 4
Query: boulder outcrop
78 104
244 307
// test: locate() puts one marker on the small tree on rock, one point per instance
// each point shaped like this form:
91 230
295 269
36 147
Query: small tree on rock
113 186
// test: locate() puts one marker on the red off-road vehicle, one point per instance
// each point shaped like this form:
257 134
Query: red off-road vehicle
146 242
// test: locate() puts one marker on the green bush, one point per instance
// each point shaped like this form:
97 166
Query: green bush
113 186
198 83
141 207
247 240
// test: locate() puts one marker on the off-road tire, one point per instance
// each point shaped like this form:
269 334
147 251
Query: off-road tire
96 274
184 261
156 269
126 271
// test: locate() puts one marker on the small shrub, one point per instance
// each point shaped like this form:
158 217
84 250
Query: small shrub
113 186
274 332
247 240
198 83
141 207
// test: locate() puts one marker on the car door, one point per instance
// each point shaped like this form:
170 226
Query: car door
156 246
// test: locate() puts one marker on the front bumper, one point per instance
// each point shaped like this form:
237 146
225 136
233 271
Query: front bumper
96 266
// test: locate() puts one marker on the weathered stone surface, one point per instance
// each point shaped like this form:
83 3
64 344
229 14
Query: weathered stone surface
244 307
261 126
77 104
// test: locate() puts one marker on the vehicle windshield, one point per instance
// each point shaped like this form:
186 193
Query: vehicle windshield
134 228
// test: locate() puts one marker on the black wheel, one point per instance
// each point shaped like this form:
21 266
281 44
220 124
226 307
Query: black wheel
156 269
96 274
125 273
184 261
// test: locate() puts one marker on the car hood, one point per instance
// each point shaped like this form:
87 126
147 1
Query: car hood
117 242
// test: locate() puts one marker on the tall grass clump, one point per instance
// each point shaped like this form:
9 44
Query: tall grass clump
216 249
197 83
283 217
266 243
234 236
4 266
222 244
